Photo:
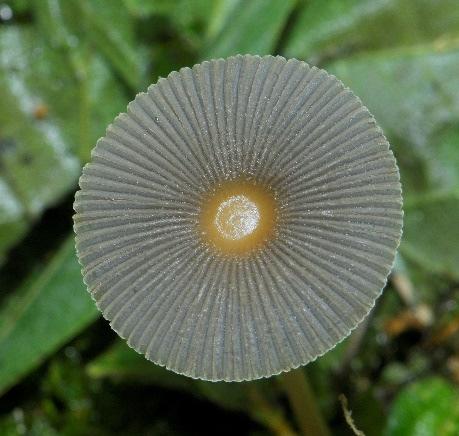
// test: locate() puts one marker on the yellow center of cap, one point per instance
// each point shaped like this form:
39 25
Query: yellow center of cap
238 217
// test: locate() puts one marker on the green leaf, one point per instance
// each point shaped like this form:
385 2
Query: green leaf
414 95
49 15
406 88
81 59
50 114
444 167
427 407
431 233
8 425
331 28
33 150
47 115
19 6
192 19
122 362
240 35
12 223
47 311
146 8
108 28
35 153
221 11
101 98
417 285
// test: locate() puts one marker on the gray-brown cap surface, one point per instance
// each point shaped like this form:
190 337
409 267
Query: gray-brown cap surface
279 125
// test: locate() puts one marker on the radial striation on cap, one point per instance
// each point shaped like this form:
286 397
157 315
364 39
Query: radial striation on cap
240 219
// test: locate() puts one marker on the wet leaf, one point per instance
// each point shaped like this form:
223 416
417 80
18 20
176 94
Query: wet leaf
337 27
414 95
190 19
123 363
49 309
104 27
240 35
145 8
431 234
19 6
51 116
12 222
426 407
445 165
221 11
108 28
34 152
83 57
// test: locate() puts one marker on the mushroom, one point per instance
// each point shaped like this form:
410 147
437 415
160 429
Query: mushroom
240 219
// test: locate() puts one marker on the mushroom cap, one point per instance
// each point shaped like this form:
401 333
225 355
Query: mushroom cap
276 123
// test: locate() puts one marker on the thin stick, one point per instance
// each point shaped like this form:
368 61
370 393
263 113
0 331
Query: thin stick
348 416
303 403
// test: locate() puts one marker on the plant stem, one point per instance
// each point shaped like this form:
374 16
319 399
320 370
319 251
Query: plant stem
267 414
303 403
